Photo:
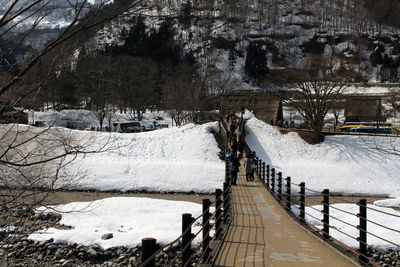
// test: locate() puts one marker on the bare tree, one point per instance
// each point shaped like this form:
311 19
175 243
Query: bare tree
218 83
99 75
394 101
388 144
21 17
315 95
139 79
182 94
33 160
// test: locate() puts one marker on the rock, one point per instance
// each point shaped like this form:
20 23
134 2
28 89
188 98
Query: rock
133 261
68 263
92 253
48 241
81 255
59 254
52 247
107 236
38 216
166 249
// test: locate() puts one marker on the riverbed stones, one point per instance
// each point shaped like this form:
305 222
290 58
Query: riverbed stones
107 236
68 263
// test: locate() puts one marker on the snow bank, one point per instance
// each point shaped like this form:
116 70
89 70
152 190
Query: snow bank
180 159
391 202
85 119
344 164
374 215
129 219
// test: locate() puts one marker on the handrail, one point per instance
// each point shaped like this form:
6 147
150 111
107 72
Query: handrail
212 216
274 185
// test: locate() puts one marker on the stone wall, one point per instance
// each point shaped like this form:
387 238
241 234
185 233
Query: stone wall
266 106
359 109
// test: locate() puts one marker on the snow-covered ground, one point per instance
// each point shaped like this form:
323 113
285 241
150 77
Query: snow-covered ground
86 119
179 159
128 219
349 221
343 164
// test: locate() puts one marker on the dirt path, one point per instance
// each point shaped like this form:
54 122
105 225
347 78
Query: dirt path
63 197
72 196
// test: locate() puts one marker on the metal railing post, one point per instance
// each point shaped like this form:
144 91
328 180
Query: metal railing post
149 247
280 186
263 172
227 171
288 193
256 162
187 252
302 202
206 229
218 213
273 180
362 227
226 202
325 220
267 174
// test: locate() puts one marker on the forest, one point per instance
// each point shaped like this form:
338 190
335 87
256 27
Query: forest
152 65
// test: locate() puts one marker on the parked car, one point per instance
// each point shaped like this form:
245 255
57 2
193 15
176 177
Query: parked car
128 127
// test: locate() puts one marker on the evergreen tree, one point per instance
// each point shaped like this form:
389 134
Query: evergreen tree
256 65
135 37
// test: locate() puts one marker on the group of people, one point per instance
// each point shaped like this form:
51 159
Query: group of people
234 164
236 153
283 123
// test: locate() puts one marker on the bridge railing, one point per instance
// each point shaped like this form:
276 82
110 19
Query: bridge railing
294 201
215 223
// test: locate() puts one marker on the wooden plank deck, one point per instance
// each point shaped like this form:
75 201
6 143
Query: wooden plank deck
263 234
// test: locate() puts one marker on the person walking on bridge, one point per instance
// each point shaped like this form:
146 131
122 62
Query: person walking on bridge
248 166
234 167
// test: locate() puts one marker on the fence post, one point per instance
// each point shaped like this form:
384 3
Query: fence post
149 247
256 162
259 169
206 229
280 186
362 227
263 172
187 235
288 193
267 174
273 180
218 213
227 171
302 202
226 202
325 220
